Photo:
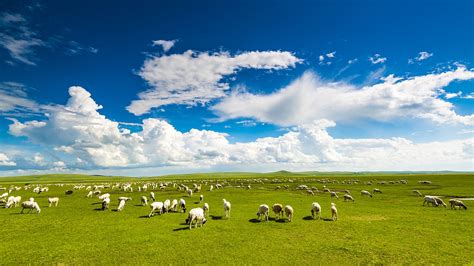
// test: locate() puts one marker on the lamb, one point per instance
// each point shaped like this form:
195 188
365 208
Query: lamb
121 205
376 190
348 197
182 205
13 201
458 203
201 198
206 209
144 201
54 201
316 210
156 206
30 205
365 193
227 207
430 200
289 212
263 212
334 195
196 214
278 210
174 205
166 205
189 192
152 196
105 204
103 196
334 211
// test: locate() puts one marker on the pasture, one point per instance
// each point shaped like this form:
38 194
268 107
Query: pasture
390 228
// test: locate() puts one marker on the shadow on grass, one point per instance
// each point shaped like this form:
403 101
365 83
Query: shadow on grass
214 217
139 205
308 218
145 216
327 219
184 224
95 203
98 209
181 229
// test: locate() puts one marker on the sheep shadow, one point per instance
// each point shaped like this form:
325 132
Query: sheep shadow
145 216
197 202
308 218
214 217
95 203
98 209
327 219
139 205
181 229
254 220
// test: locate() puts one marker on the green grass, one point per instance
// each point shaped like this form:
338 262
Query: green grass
390 228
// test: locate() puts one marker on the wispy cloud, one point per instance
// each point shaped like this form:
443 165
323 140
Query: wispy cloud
166 45
377 59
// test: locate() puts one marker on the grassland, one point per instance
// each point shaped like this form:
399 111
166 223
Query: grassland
390 228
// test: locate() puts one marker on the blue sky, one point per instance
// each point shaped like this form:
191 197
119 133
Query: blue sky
164 87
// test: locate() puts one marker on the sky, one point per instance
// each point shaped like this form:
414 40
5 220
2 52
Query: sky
160 87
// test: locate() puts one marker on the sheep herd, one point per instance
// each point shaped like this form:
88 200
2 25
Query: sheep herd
198 216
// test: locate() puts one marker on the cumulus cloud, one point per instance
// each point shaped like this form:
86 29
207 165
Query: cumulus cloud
377 59
166 45
198 77
5 161
308 98
453 95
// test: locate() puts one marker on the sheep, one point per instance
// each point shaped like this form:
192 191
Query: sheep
326 190
68 192
31 199
347 192
121 205
152 196
334 195
189 192
206 209
416 192
458 203
105 203
310 192
54 201
227 207
376 190
263 212
365 193
144 201
166 205
13 201
440 201
156 206
430 200
348 197
316 210
424 182
196 214
289 212
174 205
103 196
182 205
278 210
124 198
30 205
4 195
211 188
89 194
334 211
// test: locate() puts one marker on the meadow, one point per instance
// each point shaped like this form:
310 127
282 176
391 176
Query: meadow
390 228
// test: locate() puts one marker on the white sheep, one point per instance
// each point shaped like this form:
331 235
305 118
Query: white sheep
54 201
376 190
89 194
144 200
289 212
196 214
430 200
227 207
182 205
201 197
348 197
152 195
263 212
166 205
103 196
189 192
457 203
316 210
365 193
156 206
206 209
124 198
334 211
334 195
13 201
105 203
211 188
174 205
278 210
30 205
121 205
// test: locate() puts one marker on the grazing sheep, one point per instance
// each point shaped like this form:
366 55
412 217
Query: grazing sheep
227 208
334 195
316 210
105 204
263 212
144 201
166 205
189 192
152 196
458 203
334 211
376 190
289 212
206 209
196 214
326 190
430 200
103 196
54 201
182 205
30 205
13 201
310 192
201 197
348 197
417 193
365 193
440 201
89 194
424 182
121 205
156 206
278 210
124 198
174 205
347 192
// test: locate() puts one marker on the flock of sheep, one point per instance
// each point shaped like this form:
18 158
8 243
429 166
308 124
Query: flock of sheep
197 216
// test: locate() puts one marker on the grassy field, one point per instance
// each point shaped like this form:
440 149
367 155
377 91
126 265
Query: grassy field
390 228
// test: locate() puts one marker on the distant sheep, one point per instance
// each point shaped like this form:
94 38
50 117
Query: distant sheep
30 205
430 200
425 182
206 209
166 205
174 205
348 197
310 192
278 210
227 207
334 195
121 205
316 210
196 215
152 196
289 212
457 203
263 212
124 198
144 200
189 192
156 206
68 192
201 197
440 201
365 193
416 192
334 211
53 201
376 190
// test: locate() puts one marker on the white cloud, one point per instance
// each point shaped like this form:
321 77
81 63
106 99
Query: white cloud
308 98
469 96
246 123
423 56
13 98
453 95
5 161
352 61
331 55
166 45
321 58
377 59
198 77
